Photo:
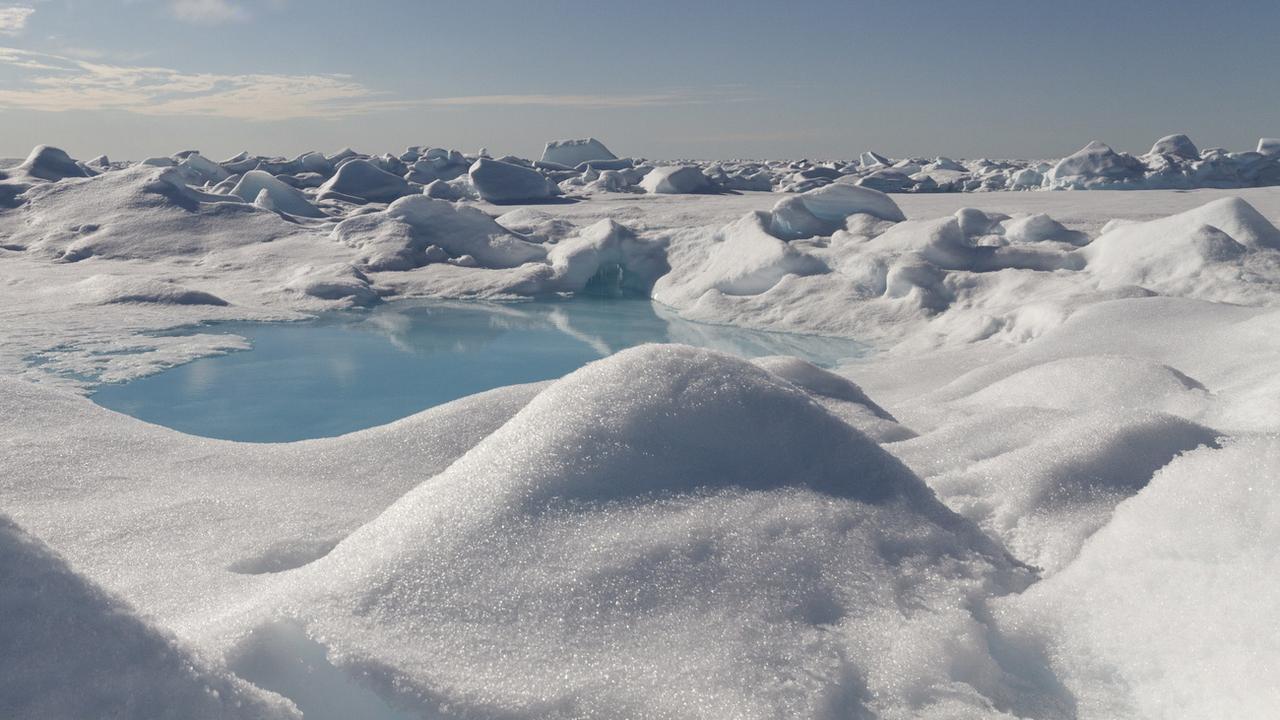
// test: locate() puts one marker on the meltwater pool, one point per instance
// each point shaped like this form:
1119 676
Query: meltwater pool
353 370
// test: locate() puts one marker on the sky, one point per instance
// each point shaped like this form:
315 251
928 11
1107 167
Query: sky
651 78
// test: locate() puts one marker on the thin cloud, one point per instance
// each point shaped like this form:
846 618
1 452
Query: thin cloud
59 83
13 19
55 83
208 12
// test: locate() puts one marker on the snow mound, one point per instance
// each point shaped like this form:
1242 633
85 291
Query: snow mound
403 236
823 210
1095 165
70 650
362 180
572 153
839 395
52 164
106 289
675 179
333 282
744 259
284 198
1176 145
1094 381
1162 615
667 529
608 258
1198 253
1043 499
138 213
500 182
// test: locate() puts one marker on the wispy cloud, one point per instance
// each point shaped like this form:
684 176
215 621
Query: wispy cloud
58 83
582 101
208 12
52 82
13 19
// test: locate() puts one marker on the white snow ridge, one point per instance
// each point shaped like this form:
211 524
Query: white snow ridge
1049 489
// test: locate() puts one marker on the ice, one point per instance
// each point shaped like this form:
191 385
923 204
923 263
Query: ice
500 182
50 164
401 236
572 153
283 198
675 179
1092 165
1044 491
1178 145
362 180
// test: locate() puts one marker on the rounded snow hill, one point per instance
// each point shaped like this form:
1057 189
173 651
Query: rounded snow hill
1176 145
366 181
282 197
50 163
572 153
666 528
500 182
676 180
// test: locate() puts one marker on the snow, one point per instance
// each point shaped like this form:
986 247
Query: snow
675 179
500 182
1048 492
572 153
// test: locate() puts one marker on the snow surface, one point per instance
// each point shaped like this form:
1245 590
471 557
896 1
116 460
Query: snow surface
1050 493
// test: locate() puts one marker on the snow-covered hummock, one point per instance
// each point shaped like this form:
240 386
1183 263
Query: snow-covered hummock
1269 146
1093 165
1162 613
572 153
824 210
668 488
283 198
630 264
675 179
363 181
1176 145
1224 250
52 164
417 230
501 182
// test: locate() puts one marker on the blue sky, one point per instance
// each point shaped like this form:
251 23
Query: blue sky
656 78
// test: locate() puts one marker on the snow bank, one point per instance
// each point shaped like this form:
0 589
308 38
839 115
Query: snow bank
71 650
1162 615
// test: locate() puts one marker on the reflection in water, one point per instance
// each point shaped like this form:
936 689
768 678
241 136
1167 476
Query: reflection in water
349 371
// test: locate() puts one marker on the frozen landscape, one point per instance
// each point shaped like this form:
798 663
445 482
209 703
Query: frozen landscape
967 454
501 360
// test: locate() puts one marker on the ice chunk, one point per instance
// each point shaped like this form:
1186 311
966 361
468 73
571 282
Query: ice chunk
501 182
50 163
283 197
675 179
1177 146
572 153
362 179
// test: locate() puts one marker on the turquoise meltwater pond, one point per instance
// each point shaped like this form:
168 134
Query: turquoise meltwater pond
350 371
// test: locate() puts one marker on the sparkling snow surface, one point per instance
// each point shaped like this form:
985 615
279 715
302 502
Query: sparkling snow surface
1051 491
